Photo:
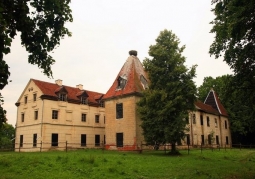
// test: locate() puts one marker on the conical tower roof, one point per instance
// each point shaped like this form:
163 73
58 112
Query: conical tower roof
132 79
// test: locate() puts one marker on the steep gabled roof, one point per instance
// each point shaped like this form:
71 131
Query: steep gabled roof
50 89
212 99
134 77
206 108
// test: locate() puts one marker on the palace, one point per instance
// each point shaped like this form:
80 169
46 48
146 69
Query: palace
53 116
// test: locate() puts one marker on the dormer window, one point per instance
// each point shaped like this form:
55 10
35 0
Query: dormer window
121 82
84 100
144 82
62 97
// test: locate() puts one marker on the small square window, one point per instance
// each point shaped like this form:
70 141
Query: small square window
54 114
22 117
96 118
36 115
83 117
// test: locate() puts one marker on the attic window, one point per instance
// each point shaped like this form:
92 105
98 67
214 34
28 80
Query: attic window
62 97
84 100
144 82
121 82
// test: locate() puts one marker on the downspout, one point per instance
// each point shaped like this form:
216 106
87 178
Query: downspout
221 141
42 121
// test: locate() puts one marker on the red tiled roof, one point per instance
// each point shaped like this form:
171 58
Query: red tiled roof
213 100
50 89
206 108
132 71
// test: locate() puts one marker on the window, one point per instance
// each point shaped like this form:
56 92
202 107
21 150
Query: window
202 140
36 115
83 117
34 96
209 139
119 139
97 140
101 103
208 121
226 124
62 97
54 114
22 117
226 140
34 140
194 118
188 139
121 82
119 110
54 139
83 139
96 118
84 100
217 140
25 99
144 82
216 123
21 140
201 120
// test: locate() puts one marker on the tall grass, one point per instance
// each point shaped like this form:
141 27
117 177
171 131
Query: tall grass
127 165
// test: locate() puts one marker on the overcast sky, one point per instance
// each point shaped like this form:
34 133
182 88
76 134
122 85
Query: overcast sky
102 34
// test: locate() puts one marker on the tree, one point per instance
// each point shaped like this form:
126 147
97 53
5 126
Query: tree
7 135
218 84
234 28
164 106
41 26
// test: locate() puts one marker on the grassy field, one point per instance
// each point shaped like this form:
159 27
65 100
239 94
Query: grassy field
128 165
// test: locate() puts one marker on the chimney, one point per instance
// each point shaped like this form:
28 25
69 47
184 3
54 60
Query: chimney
58 82
80 86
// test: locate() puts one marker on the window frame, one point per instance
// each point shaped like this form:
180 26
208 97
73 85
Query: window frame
97 140
54 114
62 97
34 96
83 117
83 140
54 136
119 110
25 99
97 118
36 114
22 117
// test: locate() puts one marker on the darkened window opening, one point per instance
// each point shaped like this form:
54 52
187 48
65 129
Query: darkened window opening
226 124
83 140
83 117
144 82
216 123
201 120
54 139
188 139
25 100
202 140
36 115
96 118
208 121
34 96
217 140
21 140
22 117
209 139
119 110
34 140
97 140
54 114
119 139
226 140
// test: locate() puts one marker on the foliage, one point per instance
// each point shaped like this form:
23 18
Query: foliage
238 101
41 26
234 27
7 134
116 165
171 94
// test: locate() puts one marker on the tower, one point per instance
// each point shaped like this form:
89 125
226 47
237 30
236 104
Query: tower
122 123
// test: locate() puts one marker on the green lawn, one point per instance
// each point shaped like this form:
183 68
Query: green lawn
97 164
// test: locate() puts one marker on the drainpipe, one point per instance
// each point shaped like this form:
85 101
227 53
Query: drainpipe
42 121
